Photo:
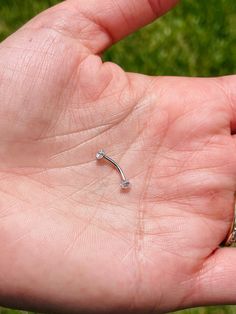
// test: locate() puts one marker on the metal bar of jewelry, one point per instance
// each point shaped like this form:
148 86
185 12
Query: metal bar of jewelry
124 181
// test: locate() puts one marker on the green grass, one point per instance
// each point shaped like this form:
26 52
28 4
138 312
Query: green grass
198 38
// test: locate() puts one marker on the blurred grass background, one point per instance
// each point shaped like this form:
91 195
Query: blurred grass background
197 38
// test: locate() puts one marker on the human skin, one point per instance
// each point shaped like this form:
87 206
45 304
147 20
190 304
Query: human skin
71 241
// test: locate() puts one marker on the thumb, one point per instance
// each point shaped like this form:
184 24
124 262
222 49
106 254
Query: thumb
98 24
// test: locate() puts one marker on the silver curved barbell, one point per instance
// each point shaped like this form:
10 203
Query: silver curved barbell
125 184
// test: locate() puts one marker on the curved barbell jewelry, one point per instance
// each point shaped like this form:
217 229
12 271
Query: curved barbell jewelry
125 184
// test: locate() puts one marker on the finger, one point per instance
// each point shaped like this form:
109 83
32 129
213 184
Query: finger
98 24
227 85
217 281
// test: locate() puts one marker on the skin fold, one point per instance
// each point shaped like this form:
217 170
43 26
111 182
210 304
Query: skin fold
71 241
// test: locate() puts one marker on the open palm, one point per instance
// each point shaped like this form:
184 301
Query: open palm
71 240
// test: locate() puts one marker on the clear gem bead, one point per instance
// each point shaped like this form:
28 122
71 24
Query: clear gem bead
125 184
100 154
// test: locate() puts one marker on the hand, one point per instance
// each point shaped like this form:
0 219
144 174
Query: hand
70 239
